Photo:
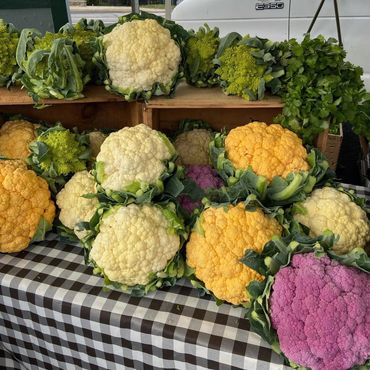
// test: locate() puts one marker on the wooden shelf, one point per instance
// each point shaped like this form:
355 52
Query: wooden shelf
209 104
93 94
192 97
99 108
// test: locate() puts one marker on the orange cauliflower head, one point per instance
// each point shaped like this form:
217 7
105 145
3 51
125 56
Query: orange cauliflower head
270 150
15 137
25 206
218 242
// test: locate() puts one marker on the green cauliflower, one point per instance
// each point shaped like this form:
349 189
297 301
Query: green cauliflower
239 72
56 153
85 35
9 37
201 49
248 66
52 66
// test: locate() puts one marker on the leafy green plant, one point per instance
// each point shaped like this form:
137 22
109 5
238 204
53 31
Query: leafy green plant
320 89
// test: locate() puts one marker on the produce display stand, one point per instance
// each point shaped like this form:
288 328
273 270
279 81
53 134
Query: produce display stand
210 105
101 109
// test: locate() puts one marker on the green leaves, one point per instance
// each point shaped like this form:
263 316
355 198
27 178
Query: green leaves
54 71
320 90
42 228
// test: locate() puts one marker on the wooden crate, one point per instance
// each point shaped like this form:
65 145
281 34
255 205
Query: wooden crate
99 109
330 145
210 105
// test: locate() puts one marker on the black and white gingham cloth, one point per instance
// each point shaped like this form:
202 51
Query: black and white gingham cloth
55 315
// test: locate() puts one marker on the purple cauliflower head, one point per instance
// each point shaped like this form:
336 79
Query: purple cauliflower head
321 312
206 178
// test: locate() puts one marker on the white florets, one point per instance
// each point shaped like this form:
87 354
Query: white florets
133 242
133 154
141 53
73 207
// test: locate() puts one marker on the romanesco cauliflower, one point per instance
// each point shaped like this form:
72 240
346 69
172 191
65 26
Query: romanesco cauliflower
201 49
8 45
239 73
58 152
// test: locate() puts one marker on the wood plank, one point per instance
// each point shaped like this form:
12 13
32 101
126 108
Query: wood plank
93 94
85 116
191 97
168 119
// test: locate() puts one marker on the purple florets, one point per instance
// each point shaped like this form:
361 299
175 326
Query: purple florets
321 312
206 178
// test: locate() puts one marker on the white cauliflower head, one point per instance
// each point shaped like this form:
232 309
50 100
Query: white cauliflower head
134 242
133 158
193 147
73 207
140 54
331 209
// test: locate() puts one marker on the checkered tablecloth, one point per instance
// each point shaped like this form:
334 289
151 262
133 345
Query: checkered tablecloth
54 314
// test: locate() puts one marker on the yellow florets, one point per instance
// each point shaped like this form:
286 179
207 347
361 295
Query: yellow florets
270 150
15 137
219 242
24 201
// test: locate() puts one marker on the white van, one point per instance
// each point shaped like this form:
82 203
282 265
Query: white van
284 19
